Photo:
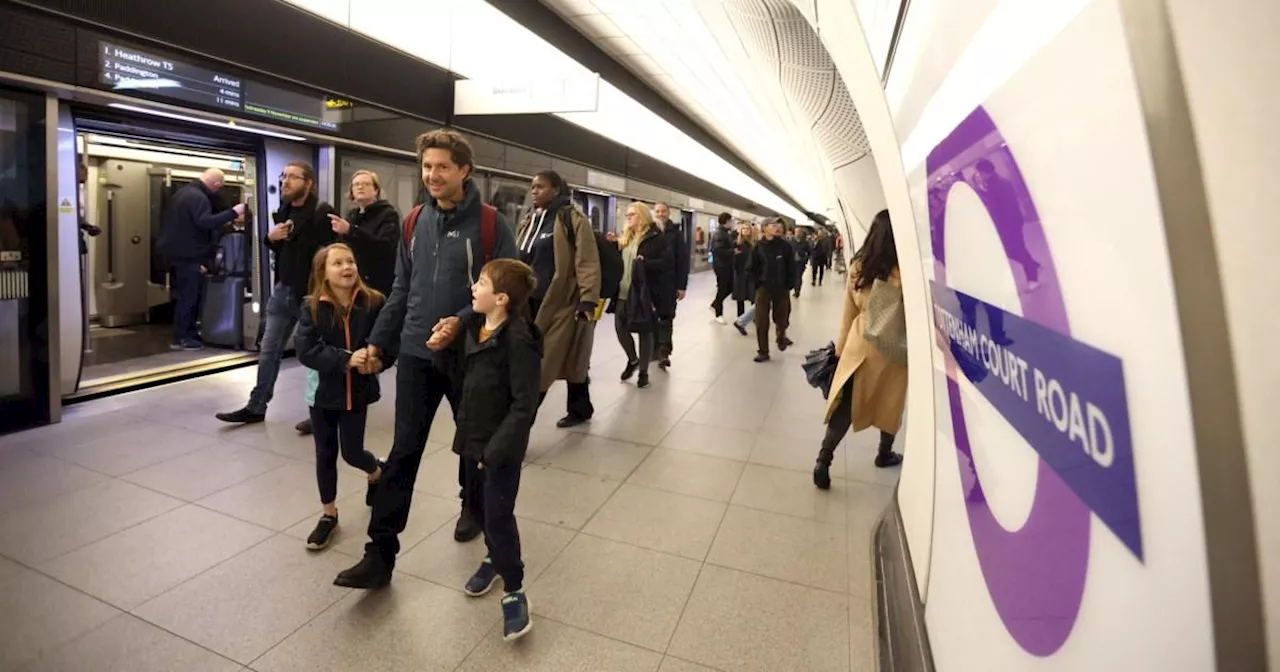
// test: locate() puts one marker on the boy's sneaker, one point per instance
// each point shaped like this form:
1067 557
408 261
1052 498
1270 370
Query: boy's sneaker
323 534
482 581
516 619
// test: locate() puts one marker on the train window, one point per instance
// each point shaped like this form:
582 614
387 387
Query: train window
509 196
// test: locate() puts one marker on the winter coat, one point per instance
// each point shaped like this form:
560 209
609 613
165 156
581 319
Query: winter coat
664 278
680 256
189 230
772 266
434 276
879 387
722 246
311 231
500 392
325 346
821 252
744 286
374 237
640 313
574 286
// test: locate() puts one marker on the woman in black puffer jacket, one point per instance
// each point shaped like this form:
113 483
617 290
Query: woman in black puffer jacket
372 229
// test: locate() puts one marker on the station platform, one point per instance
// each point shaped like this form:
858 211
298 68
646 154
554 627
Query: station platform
679 531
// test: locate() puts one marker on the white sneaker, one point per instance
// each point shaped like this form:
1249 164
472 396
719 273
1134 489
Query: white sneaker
720 319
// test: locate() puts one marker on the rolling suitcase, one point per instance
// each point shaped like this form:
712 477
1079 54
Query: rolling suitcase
222 316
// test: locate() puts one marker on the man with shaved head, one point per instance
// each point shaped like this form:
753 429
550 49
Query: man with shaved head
188 236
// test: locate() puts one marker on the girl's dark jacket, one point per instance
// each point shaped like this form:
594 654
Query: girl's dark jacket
325 345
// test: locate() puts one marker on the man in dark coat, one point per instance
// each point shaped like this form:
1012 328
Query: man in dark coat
671 289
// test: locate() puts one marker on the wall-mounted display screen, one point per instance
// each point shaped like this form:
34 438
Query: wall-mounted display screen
127 69
287 106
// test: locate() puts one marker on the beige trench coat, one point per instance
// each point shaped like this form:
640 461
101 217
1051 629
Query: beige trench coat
880 387
567 342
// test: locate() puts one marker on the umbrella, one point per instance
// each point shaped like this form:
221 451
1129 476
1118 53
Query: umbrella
820 368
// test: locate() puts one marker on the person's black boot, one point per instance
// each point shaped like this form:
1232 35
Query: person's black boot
371 573
630 371
304 427
822 475
243 416
571 420
762 358
885 457
643 382
467 528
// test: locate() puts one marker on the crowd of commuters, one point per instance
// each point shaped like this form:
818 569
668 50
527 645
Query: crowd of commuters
489 316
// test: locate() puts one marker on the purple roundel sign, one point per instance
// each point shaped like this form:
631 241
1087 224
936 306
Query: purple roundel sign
1065 397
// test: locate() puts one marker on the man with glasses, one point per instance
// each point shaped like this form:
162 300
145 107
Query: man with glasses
301 228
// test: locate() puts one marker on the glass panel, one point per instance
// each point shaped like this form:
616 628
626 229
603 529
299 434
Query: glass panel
510 197
24 363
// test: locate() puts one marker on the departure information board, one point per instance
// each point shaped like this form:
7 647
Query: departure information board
127 69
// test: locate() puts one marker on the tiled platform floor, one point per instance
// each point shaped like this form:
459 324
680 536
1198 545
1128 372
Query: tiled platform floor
677 532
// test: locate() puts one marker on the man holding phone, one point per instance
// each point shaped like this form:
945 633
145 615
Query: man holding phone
301 228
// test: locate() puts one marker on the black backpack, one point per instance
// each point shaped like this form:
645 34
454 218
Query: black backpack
610 260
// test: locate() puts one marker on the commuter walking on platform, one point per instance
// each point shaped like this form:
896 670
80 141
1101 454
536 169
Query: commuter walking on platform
722 257
674 285
557 241
188 235
772 266
372 230
444 244
744 286
646 264
870 383
337 316
499 402
302 228
804 249
821 258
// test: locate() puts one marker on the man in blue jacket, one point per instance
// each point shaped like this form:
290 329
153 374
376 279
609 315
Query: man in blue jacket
440 257
188 235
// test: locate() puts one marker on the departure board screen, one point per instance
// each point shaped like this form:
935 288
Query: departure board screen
281 105
127 69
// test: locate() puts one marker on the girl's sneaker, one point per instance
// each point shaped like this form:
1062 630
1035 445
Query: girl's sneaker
516 619
323 534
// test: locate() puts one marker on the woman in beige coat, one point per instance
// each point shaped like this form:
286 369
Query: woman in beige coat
868 388
557 241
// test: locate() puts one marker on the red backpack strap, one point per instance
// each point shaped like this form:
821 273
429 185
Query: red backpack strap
409 222
488 230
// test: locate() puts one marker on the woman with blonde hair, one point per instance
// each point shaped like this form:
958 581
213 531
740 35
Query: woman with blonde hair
647 261
870 383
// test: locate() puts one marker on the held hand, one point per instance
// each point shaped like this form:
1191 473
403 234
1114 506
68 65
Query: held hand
239 208
359 359
443 333
340 226
280 231
680 295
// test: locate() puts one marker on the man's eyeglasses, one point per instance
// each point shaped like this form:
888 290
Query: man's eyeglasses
287 177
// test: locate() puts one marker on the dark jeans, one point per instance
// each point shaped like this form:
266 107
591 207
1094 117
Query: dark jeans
628 342
490 494
779 305
724 289
420 387
799 281
283 310
664 335
819 272
332 429
838 427
187 280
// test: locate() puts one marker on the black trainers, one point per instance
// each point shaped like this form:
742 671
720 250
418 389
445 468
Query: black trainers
741 329
371 490
571 420
630 371
784 343
664 363
762 358
323 534
516 620
467 528
243 416
643 382
482 581
822 476
304 427
371 573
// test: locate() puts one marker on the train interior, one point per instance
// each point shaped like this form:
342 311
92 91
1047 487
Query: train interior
125 278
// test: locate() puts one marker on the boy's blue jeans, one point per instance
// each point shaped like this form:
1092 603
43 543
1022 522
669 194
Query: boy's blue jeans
747 318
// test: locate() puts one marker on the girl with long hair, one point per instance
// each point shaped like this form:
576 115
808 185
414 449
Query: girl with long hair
647 260
870 382
337 316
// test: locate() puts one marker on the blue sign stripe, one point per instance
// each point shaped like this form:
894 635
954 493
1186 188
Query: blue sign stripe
1066 398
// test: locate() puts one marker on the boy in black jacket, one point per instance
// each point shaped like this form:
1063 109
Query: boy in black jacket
500 394
773 265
